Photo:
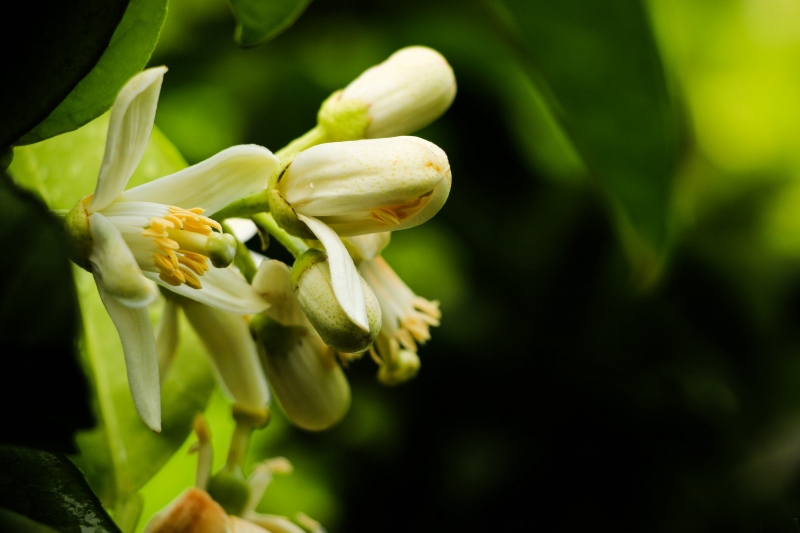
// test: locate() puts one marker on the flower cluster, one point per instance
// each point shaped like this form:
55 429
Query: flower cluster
332 198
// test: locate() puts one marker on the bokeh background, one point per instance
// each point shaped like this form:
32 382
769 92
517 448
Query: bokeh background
558 391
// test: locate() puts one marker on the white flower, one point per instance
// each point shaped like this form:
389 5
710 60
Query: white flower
408 91
156 233
407 318
301 368
226 337
355 188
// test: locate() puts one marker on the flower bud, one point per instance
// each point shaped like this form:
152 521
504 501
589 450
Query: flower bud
303 372
230 489
404 367
408 91
192 512
361 187
311 280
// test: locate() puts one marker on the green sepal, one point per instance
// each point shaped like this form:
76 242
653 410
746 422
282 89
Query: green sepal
344 119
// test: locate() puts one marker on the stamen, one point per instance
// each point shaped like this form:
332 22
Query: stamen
185 239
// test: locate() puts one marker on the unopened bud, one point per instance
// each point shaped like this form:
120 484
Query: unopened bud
311 280
303 373
408 91
400 370
194 511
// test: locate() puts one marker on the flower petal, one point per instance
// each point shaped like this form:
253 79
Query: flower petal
212 184
273 523
141 359
228 341
129 131
342 178
344 277
167 336
243 229
115 267
223 288
273 282
367 247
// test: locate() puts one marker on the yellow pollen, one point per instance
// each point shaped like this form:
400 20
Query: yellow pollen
180 235
393 214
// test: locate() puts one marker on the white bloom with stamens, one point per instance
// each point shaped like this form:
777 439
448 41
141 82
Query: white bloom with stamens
407 318
355 188
408 91
156 233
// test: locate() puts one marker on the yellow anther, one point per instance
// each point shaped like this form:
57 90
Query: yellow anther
189 278
162 263
158 221
374 355
385 215
197 210
175 220
152 232
194 267
168 244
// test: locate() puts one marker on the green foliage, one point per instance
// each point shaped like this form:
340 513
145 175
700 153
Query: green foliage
38 324
597 62
53 48
258 21
47 488
128 52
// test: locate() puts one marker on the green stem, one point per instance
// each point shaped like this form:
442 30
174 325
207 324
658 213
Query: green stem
238 449
295 245
243 260
258 202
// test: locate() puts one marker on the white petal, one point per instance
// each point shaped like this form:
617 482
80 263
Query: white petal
115 266
243 229
141 359
129 131
360 176
167 337
223 288
228 341
273 282
344 277
367 247
212 184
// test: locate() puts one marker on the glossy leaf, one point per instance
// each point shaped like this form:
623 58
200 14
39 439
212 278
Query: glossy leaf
41 381
47 488
128 52
598 63
258 21
47 50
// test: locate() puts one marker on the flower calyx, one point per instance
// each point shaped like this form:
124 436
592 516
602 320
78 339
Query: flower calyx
344 119
79 236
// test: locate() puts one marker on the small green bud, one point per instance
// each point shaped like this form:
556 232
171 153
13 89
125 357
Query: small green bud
79 236
303 373
230 489
311 280
401 370
344 120
221 249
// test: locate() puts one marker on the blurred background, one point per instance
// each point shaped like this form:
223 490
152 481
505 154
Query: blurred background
559 391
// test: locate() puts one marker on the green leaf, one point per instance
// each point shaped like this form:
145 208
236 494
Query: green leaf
52 49
64 169
122 454
597 62
47 488
41 383
259 21
131 47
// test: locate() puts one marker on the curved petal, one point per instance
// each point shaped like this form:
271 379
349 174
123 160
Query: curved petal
367 247
212 184
141 359
243 229
228 341
345 280
273 282
115 267
223 288
129 131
